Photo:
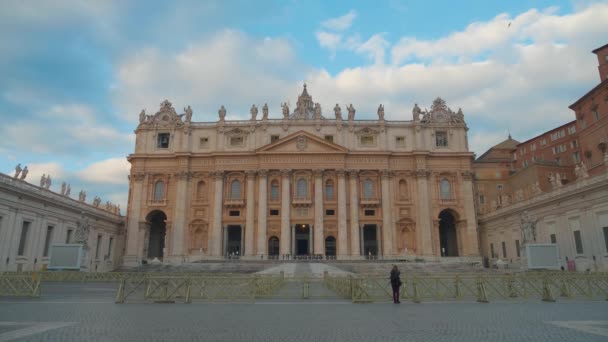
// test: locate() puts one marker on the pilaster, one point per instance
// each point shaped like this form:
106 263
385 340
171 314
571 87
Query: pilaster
387 217
262 212
249 223
318 246
285 213
424 213
216 227
342 248
355 239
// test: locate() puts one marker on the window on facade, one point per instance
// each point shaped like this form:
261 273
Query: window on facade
329 138
367 140
525 163
445 190
596 115
68 236
234 213
571 129
368 188
159 190
441 139
98 247
47 241
499 187
235 189
576 157
482 199
583 123
492 250
162 140
330 212
369 212
201 190
274 190
578 241
558 161
606 237
514 156
504 249
23 240
533 147
543 142
236 141
110 245
553 238
274 138
329 189
400 141
517 248
203 142
403 189
274 212
302 188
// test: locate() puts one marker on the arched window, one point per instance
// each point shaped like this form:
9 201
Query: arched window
368 188
302 189
235 189
201 190
274 190
445 189
329 189
402 189
159 191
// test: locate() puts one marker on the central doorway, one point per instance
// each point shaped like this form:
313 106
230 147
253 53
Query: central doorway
370 240
233 240
447 234
158 230
302 239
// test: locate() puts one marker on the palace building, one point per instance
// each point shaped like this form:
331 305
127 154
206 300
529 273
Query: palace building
302 185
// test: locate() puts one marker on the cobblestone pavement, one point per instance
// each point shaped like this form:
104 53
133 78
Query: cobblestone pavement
86 312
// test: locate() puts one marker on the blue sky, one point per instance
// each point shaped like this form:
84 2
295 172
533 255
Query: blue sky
76 74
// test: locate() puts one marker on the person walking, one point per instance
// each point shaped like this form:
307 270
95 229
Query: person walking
395 283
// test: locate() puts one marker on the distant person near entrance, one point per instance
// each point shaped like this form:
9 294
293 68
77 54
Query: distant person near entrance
395 283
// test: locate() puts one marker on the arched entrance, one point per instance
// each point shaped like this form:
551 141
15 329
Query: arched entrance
273 246
370 240
301 239
330 246
158 231
448 241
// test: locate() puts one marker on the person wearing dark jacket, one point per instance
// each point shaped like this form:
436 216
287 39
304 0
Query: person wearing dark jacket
395 283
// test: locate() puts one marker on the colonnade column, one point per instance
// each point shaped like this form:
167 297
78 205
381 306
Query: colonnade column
179 220
216 228
318 233
285 244
132 256
424 215
470 245
342 232
355 238
262 211
387 215
249 223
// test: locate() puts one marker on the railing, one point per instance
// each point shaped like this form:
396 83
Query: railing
19 285
234 202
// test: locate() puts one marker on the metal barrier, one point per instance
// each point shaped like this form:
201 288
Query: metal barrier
19 285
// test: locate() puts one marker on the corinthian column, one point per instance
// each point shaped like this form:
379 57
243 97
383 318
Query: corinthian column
133 215
318 233
249 224
355 240
387 215
469 242
424 215
216 229
262 211
179 221
342 233
285 214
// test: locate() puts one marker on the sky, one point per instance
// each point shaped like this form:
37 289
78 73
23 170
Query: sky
76 74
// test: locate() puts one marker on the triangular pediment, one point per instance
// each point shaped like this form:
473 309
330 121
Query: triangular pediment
302 142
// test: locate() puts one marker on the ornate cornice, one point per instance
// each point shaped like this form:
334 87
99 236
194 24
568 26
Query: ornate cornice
218 174
353 173
386 174
250 173
341 172
318 172
285 172
422 173
263 173
183 175
467 175
138 177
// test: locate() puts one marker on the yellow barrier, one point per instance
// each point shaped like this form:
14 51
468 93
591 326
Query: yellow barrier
15 285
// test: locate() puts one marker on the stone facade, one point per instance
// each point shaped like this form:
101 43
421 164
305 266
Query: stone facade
302 185
33 218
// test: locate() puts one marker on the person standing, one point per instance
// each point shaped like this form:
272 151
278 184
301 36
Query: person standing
395 283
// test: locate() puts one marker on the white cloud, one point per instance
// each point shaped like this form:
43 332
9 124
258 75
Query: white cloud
374 48
109 171
330 41
340 23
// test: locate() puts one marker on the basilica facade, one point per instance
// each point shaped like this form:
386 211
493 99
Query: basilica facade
304 185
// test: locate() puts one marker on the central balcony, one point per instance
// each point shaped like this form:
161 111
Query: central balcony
302 201
234 202
370 202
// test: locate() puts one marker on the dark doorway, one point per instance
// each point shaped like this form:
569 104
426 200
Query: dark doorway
447 234
273 246
370 240
302 236
330 246
233 241
158 230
